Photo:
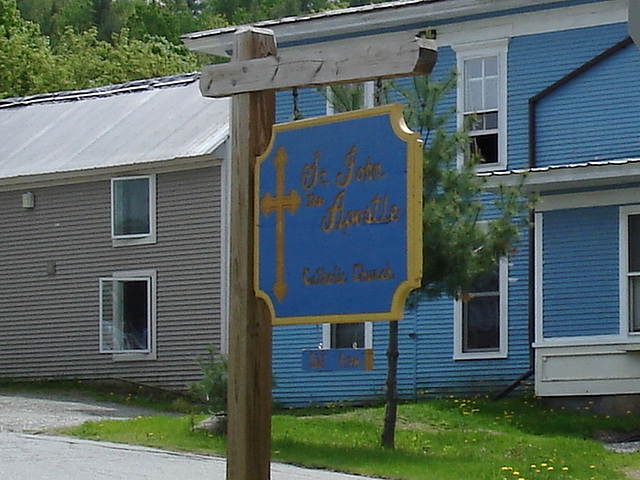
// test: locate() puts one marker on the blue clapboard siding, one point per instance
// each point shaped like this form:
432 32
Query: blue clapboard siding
425 365
589 118
298 388
581 293
584 283
439 374
311 103
537 61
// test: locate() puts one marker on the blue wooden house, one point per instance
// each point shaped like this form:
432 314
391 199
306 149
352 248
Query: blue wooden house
556 87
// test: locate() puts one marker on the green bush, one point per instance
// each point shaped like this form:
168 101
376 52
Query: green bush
212 389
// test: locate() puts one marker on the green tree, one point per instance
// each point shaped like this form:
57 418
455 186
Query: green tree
170 19
86 61
30 64
26 61
459 245
54 15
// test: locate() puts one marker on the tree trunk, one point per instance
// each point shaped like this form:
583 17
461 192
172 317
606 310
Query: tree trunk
389 429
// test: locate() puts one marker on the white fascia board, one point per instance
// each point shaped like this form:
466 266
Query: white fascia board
104 173
567 177
351 21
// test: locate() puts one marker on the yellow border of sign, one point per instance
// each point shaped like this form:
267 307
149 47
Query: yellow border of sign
414 217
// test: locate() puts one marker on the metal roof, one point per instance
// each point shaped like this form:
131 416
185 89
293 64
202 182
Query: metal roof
121 125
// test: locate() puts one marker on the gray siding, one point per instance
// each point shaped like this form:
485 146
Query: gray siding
49 323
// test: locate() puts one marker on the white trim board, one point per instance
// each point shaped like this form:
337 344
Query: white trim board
601 198
316 28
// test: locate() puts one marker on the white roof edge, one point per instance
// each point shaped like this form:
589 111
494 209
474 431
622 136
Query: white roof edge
99 173
334 23
577 175
102 91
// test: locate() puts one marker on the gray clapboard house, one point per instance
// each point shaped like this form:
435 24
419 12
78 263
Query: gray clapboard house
111 219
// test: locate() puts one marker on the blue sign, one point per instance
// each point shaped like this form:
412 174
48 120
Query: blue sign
338 212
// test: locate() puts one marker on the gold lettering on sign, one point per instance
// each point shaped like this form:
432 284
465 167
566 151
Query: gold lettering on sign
279 204
321 277
312 175
378 211
360 273
343 179
316 360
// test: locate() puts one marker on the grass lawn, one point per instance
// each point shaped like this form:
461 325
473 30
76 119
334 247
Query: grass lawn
449 439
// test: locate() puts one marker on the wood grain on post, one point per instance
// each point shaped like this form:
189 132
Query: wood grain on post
249 397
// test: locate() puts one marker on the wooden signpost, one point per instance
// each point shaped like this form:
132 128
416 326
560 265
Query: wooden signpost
251 78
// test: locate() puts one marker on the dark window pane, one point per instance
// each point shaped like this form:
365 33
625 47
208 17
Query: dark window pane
131 207
489 282
634 243
486 146
634 304
481 324
347 335
135 313
490 120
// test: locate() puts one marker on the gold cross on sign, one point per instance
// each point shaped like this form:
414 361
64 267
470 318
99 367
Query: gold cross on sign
279 204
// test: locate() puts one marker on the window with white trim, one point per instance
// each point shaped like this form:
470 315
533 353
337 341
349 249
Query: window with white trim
630 267
127 313
350 96
482 100
133 209
347 335
480 328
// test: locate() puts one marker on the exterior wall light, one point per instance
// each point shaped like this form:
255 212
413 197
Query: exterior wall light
28 200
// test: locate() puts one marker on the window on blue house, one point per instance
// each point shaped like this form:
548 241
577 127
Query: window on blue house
347 335
480 319
482 100
349 97
632 267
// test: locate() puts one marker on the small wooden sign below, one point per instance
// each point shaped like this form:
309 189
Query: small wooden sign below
337 359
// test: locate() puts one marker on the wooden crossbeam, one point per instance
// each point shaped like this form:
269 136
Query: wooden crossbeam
350 60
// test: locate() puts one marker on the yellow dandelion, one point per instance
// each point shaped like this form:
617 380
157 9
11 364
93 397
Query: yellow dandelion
543 464
565 469
534 466
549 468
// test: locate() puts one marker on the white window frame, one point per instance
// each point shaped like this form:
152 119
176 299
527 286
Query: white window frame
502 351
136 239
464 52
326 335
625 317
149 276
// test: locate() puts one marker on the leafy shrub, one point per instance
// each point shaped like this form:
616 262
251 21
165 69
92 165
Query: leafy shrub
212 389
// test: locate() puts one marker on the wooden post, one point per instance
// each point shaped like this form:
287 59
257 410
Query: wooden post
249 398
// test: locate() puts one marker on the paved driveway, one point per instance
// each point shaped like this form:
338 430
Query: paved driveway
26 453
